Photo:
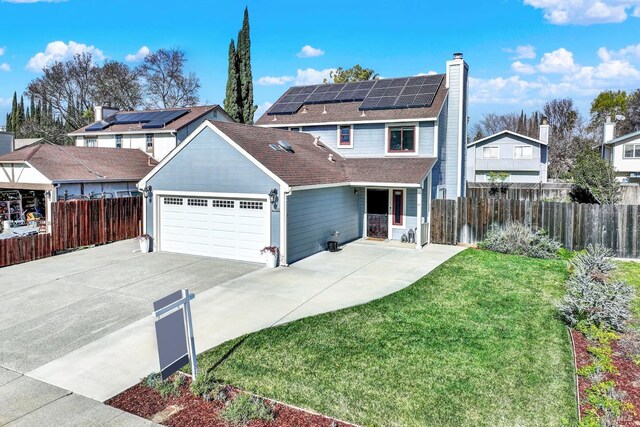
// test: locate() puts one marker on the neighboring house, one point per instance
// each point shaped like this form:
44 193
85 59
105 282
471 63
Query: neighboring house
230 190
6 142
521 158
23 142
623 152
418 117
46 173
155 132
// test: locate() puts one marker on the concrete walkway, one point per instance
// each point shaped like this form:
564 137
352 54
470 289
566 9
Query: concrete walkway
324 282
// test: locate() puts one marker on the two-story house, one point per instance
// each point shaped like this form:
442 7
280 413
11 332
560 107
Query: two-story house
155 132
623 152
519 158
326 162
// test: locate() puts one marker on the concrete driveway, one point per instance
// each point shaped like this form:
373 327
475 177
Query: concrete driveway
266 297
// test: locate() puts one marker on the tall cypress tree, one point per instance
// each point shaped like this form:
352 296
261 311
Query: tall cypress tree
244 68
232 101
13 125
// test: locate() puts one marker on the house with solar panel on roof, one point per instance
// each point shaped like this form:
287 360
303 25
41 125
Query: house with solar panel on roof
325 165
155 132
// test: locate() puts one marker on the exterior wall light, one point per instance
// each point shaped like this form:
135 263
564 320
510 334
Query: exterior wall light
273 198
146 192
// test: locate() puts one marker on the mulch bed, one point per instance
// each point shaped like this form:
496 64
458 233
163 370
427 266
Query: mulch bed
146 402
628 379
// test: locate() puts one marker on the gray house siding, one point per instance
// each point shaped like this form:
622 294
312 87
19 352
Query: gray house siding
455 173
440 168
313 214
532 169
328 134
427 139
209 164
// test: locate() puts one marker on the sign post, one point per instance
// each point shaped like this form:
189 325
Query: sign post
174 333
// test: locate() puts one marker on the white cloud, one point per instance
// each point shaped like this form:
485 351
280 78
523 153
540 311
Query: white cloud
139 55
586 12
2 50
429 73
499 90
274 81
60 51
262 108
521 68
311 76
309 52
5 67
522 52
558 61
630 53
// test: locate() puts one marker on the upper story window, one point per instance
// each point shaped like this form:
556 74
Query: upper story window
90 142
345 136
149 139
402 139
522 152
632 151
118 141
490 152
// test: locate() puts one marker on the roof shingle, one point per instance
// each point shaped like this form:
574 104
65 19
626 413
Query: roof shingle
70 163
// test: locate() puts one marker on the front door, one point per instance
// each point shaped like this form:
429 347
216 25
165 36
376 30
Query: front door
378 214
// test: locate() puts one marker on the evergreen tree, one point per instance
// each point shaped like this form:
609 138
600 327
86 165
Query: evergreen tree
232 101
244 68
13 125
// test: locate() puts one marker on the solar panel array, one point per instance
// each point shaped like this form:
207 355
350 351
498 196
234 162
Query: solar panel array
148 120
409 92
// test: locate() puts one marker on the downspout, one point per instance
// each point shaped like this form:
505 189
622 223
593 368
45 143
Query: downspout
286 192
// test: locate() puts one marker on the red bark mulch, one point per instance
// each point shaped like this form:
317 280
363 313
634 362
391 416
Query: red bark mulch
145 402
627 380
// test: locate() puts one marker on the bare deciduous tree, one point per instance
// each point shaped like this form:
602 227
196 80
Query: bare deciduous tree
118 86
165 83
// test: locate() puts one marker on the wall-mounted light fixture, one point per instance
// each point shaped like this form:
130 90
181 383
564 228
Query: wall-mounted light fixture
355 191
273 198
147 191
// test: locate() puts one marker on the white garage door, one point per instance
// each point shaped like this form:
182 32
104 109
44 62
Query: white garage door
217 227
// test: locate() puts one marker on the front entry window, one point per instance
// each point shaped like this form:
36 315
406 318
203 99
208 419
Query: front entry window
398 207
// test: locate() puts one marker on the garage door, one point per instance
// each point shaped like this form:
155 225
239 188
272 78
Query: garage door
217 227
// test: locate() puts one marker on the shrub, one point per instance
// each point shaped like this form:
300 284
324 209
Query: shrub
204 385
165 388
517 239
591 297
245 408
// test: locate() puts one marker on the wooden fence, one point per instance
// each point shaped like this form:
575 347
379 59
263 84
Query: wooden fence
94 222
548 191
467 220
75 224
22 249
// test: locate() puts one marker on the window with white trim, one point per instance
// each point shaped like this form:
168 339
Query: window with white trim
491 152
402 139
250 205
522 152
219 203
172 201
197 202
90 142
631 151
345 136
149 142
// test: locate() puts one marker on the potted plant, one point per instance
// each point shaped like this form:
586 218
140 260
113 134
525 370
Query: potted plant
144 241
272 255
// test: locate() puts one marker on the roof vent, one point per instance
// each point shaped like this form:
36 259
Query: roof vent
286 146
331 158
275 118
316 142
363 114
457 55
275 147
324 109
305 110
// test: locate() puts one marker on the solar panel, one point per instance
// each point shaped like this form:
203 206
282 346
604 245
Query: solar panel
295 90
392 91
345 95
370 103
424 100
405 101
97 126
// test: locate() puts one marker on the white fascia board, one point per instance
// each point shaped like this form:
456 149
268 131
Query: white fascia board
507 132
356 184
129 132
352 122
212 194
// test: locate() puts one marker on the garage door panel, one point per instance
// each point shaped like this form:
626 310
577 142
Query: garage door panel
217 227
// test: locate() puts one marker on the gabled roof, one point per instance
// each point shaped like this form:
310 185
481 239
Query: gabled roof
309 164
70 163
624 137
506 132
194 114
349 112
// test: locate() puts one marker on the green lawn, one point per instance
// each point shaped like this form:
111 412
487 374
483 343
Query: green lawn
629 271
474 343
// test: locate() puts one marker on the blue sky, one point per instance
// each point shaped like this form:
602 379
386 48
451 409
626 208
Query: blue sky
520 52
